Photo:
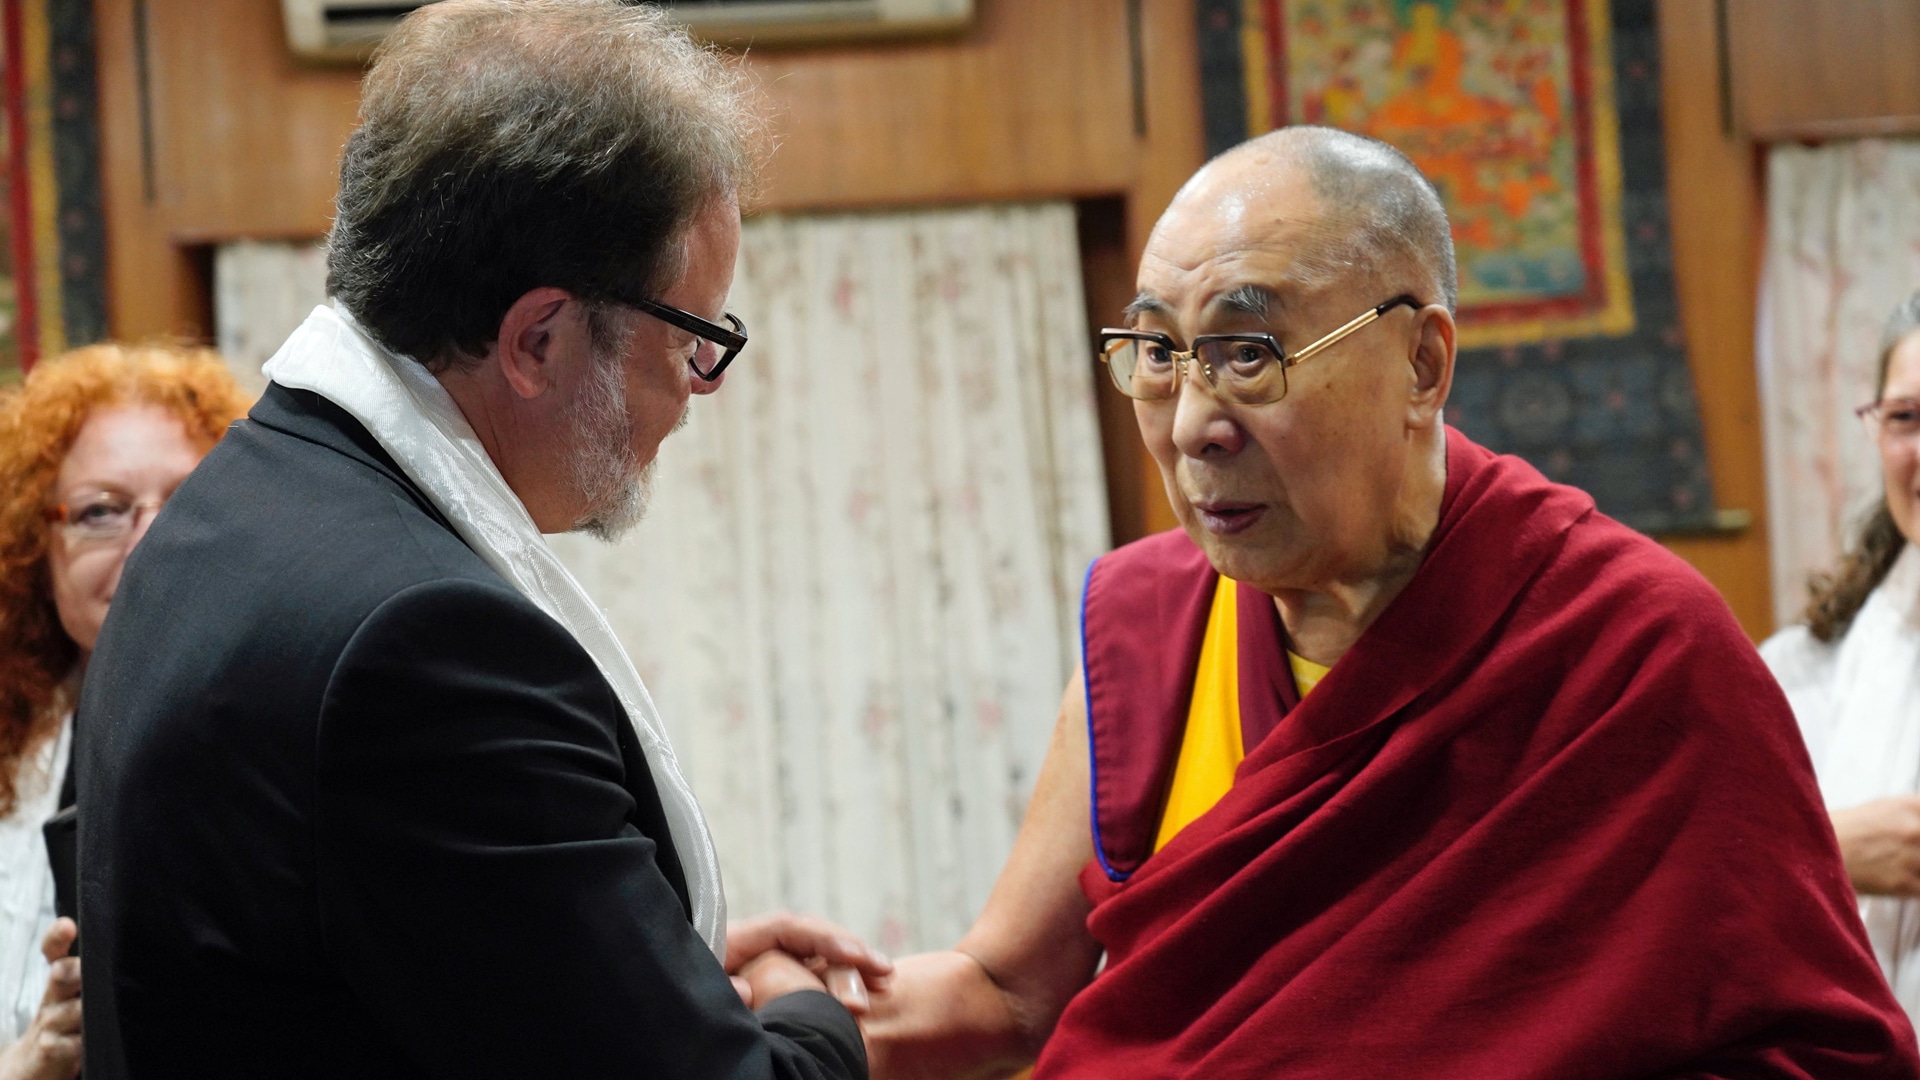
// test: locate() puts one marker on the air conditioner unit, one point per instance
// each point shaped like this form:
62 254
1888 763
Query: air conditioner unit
348 30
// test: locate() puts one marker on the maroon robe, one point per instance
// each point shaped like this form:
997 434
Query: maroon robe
1549 817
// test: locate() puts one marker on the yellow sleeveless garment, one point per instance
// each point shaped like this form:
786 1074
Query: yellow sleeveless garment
1211 749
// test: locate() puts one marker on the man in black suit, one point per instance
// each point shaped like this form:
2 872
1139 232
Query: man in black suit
367 789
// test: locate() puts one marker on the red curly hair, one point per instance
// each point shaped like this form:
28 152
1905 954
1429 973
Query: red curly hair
39 421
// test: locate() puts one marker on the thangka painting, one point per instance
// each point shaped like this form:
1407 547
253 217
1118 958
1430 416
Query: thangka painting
1539 123
52 264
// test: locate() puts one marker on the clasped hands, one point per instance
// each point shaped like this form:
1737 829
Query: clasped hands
780 953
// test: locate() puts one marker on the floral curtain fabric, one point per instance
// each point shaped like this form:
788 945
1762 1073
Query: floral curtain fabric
856 595
1843 248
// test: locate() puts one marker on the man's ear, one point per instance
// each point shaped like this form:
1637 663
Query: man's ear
530 334
1433 355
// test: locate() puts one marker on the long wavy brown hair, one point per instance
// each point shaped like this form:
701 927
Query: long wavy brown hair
1839 595
39 421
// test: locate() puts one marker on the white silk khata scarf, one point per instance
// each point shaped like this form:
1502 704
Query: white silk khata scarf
1858 704
416 421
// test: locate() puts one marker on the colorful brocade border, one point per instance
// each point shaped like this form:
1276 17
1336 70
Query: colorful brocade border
57 236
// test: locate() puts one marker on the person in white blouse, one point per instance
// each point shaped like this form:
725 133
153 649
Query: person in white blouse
91 444
1852 673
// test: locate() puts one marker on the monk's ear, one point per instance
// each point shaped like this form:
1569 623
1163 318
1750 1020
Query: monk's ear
1432 361
533 333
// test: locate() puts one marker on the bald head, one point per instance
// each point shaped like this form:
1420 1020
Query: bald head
1378 216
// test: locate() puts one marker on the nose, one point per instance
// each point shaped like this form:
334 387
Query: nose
706 354
699 385
1202 426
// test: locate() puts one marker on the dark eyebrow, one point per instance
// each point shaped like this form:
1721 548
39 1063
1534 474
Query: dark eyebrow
1247 300
1143 304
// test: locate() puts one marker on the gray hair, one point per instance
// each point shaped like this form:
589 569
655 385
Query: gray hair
506 145
1837 596
1390 214
1904 320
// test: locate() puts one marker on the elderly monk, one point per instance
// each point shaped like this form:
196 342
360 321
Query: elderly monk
1403 761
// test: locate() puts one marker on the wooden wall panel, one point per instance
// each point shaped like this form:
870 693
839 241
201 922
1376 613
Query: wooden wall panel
1035 100
1833 69
1714 202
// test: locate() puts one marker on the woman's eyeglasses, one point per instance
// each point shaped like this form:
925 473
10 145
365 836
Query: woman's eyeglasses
1891 418
102 516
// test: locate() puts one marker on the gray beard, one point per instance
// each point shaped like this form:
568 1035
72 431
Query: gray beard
604 470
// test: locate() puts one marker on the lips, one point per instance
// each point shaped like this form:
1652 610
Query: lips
1224 518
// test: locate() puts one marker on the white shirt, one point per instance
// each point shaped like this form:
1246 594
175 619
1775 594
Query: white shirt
1857 701
26 882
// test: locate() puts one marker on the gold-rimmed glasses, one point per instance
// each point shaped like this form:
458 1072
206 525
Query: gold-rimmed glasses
1245 369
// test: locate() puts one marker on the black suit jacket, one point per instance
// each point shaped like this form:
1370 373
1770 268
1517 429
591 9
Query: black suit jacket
351 806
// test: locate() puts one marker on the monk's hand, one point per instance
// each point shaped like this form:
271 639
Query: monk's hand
1880 844
50 1047
848 967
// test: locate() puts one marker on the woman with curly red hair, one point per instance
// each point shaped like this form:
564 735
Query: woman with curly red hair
91 445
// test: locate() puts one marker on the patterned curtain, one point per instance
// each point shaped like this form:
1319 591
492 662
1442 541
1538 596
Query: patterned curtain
1843 248
856 596
261 291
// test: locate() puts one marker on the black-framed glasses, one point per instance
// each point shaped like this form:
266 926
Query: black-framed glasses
730 342
1245 369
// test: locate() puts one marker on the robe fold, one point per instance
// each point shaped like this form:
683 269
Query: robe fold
1549 817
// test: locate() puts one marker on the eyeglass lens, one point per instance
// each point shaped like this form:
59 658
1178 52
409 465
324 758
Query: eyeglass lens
103 515
1244 372
1896 418
722 354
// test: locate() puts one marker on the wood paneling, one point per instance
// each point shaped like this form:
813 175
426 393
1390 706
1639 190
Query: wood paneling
1035 101
1714 203
1832 69
1107 269
244 143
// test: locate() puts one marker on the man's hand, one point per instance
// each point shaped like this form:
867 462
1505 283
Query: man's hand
850 969
773 974
1880 844
50 1047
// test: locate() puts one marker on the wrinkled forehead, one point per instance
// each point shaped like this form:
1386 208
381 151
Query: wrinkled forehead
1227 249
